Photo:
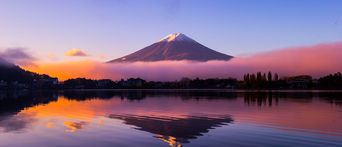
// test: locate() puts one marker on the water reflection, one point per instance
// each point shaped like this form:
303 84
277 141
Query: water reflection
173 130
16 123
74 126
272 98
142 94
331 97
176 117
261 99
14 102
11 103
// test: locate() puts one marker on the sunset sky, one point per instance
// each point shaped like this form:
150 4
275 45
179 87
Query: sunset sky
100 30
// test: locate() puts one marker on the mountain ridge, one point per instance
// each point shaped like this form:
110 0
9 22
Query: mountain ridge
175 47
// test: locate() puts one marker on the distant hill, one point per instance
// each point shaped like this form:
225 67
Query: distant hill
175 46
12 73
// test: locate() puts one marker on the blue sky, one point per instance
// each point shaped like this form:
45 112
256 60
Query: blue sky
113 28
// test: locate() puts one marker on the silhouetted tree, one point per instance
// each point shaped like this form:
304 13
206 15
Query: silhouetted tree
332 81
269 76
276 77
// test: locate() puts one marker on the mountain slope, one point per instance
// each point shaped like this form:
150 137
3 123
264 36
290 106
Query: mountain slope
12 73
174 47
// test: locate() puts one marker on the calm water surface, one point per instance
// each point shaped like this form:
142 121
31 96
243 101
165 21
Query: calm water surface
170 118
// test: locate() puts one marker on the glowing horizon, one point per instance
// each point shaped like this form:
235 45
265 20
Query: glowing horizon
317 60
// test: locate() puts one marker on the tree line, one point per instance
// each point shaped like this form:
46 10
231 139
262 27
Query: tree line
13 77
258 81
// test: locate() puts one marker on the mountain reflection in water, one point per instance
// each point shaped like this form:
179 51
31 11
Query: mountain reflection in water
170 117
174 130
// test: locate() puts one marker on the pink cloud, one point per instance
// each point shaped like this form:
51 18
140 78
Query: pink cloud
75 52
314 60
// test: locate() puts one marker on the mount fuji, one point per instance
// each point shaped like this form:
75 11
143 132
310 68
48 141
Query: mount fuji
174 47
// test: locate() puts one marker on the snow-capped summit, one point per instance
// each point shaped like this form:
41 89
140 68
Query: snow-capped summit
175 37
176 46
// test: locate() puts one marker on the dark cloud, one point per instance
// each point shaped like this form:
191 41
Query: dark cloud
18 56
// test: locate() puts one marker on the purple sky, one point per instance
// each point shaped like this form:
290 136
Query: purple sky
107 29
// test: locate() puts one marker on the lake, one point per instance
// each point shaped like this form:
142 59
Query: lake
162 118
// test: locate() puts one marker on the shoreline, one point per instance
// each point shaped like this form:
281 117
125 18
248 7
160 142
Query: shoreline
179 90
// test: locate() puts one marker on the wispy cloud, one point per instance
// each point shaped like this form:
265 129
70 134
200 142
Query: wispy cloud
75 52
19 56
